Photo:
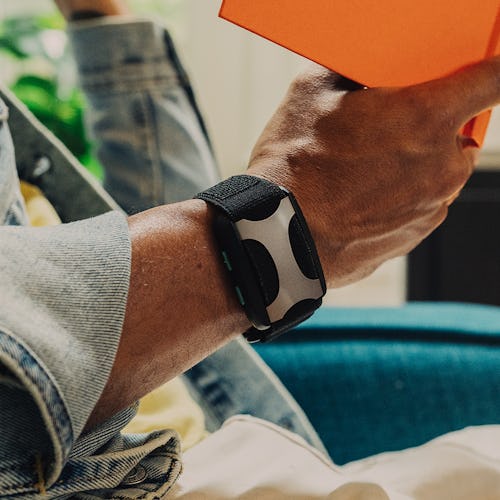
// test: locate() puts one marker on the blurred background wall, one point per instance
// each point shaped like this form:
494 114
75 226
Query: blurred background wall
240 79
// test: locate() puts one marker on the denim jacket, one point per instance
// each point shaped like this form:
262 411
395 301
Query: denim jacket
56 354
57 339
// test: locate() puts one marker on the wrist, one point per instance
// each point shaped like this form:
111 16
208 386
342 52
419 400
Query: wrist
173 248
268 251
180 305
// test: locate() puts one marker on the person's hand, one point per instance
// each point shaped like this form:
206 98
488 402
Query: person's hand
374 170
104 7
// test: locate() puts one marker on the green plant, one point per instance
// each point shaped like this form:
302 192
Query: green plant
41 71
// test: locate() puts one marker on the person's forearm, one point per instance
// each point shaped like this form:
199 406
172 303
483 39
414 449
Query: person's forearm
180 306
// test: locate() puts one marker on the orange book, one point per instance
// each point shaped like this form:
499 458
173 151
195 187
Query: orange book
380 42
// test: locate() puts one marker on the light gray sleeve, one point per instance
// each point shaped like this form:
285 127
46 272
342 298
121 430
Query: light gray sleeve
63 293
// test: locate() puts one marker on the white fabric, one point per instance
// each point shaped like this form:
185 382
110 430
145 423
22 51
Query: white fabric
253 459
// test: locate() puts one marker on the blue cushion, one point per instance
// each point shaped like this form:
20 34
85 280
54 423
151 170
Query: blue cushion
374 380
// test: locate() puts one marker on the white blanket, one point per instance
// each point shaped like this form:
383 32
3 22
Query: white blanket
253 459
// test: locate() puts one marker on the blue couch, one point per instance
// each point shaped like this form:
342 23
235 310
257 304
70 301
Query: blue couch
374 380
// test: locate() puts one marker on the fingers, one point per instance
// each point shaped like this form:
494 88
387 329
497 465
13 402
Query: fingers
104 7
452 198
469 151
468 92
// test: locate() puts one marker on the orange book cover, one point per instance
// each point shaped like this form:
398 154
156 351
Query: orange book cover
379 42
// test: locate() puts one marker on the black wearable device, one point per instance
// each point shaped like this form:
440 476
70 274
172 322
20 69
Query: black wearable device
269 252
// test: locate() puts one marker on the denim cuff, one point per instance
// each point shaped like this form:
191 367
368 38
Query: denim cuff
63 297
107 464
122 54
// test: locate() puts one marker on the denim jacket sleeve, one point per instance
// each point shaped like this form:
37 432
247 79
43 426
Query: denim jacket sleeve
142 112
63 295
58 340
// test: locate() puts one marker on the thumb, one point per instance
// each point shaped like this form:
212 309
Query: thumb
468 92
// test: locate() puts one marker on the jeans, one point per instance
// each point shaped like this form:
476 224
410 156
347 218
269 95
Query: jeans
12 210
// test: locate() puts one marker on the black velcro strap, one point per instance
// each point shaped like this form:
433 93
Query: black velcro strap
244 196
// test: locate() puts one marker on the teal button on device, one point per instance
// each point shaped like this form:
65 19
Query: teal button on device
226 261
240 295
